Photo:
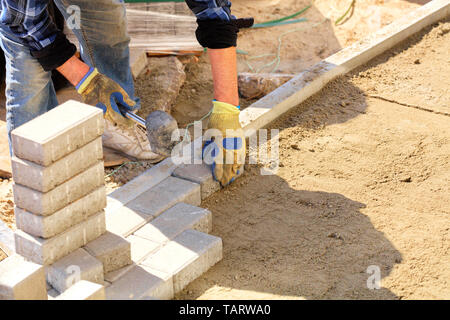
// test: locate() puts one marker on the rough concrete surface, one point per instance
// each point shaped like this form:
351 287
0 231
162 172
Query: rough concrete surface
79 265
47 203
57 133
84 290
21 280
174 221
112 250
76 212
47 251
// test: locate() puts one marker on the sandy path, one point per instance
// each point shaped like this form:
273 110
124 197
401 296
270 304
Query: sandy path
363 182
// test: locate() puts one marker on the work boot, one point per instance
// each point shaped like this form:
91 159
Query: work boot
130 139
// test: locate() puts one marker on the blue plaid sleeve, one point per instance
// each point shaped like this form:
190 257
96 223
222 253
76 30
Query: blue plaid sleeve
29 21
211 9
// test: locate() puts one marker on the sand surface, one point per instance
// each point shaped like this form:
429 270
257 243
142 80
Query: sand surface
363 182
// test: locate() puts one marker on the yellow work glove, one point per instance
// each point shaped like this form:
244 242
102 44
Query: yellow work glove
100 91
226 150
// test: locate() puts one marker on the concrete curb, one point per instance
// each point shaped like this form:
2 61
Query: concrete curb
318 76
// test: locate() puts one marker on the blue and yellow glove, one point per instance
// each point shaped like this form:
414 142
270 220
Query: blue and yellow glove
100 91
227 149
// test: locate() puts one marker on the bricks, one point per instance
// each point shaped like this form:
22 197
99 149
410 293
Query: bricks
84 290
174 221
112 250
141 248
57 133
79 265
52 294
21 280
113 276
47 203
187 257
138 61
125 221
201 174
166 194
44 179
47 251
7 239
141 283
76 212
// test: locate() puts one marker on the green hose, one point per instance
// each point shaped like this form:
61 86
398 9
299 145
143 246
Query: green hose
280 23
283 19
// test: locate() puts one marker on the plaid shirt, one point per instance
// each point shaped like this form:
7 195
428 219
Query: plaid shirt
30 22
211 9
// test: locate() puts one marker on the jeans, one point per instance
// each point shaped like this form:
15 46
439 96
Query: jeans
103 43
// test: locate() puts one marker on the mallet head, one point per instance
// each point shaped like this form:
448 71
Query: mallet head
160 127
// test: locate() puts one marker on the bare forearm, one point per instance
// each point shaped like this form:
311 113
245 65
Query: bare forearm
74 70
224 72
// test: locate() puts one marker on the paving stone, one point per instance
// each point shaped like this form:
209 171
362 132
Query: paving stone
141 248
115 275
187 257
112 250
48 251
7 243
201 174
165 195
47 203
22 280
139 283
134 188
76 212
84 290
44 179
57 133
174 221
52 294
79 265
125 221
138 61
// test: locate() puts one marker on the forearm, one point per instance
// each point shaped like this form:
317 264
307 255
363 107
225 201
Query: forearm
74 70
224 72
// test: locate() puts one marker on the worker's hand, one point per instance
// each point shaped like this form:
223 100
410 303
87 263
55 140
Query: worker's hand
100 91
227 149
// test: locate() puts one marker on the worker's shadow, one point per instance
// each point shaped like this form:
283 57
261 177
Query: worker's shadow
289 243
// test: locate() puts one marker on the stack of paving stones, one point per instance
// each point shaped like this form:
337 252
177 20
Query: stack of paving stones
61 243
156 240
158 214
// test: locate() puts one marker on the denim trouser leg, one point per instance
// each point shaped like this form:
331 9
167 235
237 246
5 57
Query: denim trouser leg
103 38
29 89
103 41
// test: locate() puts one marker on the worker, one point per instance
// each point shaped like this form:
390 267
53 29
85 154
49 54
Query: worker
34 46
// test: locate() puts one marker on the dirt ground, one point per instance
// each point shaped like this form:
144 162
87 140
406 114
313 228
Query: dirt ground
2 255
362 182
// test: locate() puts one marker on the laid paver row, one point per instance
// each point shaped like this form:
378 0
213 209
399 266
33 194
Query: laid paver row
168 270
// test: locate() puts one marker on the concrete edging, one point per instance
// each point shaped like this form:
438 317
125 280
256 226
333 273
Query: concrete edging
297 90
318 76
